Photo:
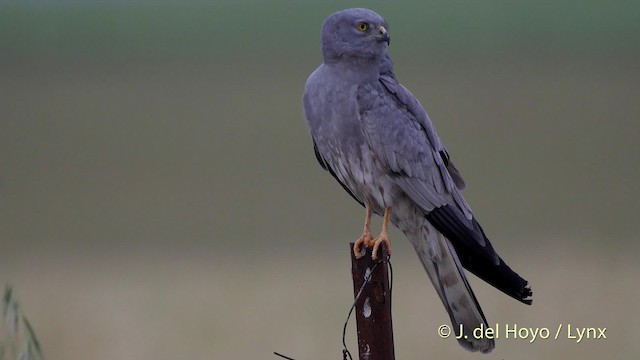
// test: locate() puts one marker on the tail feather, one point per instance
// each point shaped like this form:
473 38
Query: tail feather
439 259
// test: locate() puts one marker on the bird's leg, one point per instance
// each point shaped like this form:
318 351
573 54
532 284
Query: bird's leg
383 237
365 239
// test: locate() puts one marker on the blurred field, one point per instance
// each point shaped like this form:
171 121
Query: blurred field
208 307
159 197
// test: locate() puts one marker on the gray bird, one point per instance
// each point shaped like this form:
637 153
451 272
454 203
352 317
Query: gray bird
375 138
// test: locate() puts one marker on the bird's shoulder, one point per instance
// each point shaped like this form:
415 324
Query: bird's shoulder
323 78
387 103
314 81
322 86
314 96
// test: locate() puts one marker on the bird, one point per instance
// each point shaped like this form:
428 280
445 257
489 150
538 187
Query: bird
375 138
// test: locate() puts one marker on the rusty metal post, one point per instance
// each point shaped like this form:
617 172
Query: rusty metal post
373 307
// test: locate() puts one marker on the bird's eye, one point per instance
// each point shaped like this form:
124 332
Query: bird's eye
363 26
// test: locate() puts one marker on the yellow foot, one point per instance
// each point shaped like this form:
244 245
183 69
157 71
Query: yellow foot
383 238
365 240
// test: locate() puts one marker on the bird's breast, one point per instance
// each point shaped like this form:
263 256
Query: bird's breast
334 120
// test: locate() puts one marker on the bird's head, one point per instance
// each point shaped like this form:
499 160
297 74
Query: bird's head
354 33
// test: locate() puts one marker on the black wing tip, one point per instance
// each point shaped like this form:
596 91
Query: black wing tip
526 294
476 258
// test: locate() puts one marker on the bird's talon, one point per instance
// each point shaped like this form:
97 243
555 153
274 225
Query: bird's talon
365 240
376 245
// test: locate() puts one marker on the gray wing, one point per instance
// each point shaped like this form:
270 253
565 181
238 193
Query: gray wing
404 141
405 97
402 136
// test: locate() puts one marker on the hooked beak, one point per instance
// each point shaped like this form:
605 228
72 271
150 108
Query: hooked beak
384 36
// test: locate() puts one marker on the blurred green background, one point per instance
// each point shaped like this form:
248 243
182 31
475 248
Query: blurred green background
159 196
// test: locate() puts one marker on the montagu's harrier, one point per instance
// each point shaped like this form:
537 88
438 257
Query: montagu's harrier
375 138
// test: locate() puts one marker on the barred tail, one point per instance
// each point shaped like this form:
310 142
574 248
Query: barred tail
439 259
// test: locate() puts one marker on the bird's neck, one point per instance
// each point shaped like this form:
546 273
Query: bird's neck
356 68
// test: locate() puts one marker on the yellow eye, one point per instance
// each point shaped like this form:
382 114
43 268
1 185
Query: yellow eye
363 26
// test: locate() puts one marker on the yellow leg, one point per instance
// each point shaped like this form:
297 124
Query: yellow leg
384 235
365 239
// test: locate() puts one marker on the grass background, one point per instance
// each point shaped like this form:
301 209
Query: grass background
159 197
